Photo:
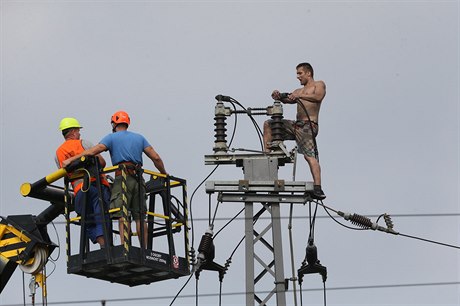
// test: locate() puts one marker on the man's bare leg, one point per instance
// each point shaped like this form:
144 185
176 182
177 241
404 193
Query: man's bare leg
144 238
101 241
315 170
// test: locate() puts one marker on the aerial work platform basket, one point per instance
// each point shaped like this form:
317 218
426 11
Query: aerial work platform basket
125 261
135 267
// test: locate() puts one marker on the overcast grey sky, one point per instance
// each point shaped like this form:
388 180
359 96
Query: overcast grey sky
388 141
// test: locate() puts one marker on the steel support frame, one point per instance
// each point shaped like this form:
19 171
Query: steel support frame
261 185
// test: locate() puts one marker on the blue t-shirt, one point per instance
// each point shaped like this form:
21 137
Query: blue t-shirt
125 146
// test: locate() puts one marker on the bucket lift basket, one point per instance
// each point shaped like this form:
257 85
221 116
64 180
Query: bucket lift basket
137 265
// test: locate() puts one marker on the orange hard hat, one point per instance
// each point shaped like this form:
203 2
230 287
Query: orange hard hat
120 117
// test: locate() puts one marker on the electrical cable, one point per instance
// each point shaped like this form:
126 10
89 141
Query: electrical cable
324 292
196 292
324 287
23 288
258 130
191 199
392 232
209 209
220 293
430 241
182 288
227 265
54 269
378 218
229 260
237 246
326 209
383 286
311 255
229 222
215 213
193 194
326 216
301 299
312 221
206 178
58 243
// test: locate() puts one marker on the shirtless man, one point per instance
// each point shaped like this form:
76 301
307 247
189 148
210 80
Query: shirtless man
304 130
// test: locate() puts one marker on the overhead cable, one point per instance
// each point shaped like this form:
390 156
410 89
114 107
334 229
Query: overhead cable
358 287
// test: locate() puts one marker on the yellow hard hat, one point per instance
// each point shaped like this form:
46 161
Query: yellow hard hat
68 123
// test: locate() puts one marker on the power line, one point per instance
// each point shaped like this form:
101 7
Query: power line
430 241
321 217
359 228
383 286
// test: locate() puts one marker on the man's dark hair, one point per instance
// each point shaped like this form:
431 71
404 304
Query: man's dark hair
66 131
305 66
114 126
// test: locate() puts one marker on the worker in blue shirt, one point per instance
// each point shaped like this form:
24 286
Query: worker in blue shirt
126 149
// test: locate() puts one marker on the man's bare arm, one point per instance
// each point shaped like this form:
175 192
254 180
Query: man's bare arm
276 95
93 151
315 97
156 159
102 162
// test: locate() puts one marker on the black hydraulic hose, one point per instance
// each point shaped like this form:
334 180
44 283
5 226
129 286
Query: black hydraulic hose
258 130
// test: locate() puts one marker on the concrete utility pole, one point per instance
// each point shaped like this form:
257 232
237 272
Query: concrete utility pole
260 185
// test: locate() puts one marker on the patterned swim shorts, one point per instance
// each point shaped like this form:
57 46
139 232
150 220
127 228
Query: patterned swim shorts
303 132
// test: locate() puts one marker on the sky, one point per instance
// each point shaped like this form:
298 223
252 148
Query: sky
388 140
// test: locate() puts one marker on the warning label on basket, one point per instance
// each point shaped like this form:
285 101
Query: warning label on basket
161 258
175 262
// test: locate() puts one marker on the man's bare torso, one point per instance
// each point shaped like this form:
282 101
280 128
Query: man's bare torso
311 107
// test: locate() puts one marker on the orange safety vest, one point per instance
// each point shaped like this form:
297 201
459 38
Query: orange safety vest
68 149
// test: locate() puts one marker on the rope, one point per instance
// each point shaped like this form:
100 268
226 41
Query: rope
89 179
124 210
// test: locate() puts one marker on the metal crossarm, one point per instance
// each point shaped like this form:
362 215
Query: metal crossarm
259 186
278 191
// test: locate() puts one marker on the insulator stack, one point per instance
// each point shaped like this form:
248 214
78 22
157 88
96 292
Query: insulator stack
361 221
311 254
206 246
192 255
225 269
388 221
220 130
220 142
276 124
227 264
